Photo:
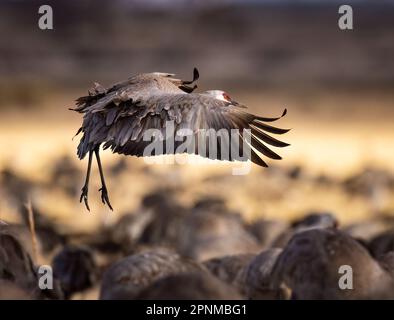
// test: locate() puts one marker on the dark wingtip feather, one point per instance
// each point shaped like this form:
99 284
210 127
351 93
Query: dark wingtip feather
267 138
77 109
265 119
264 149
269 128
257 160
78 132
196 74
188 89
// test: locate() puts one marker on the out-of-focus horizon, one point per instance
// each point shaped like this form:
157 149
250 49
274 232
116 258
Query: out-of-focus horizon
337 85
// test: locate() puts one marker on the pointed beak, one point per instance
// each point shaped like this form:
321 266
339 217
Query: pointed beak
234 103
237 104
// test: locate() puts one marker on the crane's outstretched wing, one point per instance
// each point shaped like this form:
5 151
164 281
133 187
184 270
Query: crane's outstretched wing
196 113
120 118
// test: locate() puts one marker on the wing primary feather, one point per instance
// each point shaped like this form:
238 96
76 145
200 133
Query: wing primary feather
188 89
263 149
269 128
257 160
268 139
272 119
254 157
196 75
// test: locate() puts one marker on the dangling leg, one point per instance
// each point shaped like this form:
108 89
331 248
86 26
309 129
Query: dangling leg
84 194
103 189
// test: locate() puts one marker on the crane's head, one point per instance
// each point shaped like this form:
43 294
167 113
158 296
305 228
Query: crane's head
221 95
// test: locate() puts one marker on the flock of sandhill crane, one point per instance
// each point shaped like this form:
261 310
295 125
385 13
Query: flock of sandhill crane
201 249
146 256
118 117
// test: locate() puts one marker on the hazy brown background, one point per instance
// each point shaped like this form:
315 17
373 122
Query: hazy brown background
337 86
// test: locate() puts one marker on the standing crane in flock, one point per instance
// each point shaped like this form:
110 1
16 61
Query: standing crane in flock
117 118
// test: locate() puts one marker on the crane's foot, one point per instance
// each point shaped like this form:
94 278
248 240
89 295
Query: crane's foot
104 197
84 196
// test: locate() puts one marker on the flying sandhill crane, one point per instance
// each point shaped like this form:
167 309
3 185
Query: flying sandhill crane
118 117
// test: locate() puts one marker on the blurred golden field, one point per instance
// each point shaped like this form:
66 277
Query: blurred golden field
324 145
